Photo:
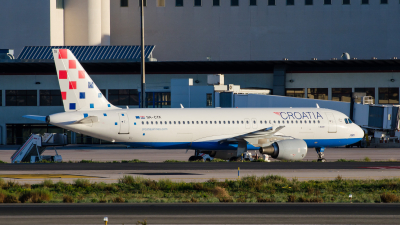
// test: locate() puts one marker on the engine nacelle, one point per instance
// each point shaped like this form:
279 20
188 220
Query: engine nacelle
291 149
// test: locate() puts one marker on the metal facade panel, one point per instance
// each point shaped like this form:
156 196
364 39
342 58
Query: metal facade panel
88 52
375 116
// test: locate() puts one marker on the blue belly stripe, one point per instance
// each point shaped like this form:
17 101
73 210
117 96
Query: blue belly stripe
311 143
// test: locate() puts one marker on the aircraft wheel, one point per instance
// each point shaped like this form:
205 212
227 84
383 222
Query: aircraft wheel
192 158
322 160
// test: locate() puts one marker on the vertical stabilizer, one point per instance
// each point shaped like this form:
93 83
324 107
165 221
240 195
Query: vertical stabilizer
78 91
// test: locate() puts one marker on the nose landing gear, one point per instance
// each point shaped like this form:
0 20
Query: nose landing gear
320 152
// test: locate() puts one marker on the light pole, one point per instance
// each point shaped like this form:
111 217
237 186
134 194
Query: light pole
142 68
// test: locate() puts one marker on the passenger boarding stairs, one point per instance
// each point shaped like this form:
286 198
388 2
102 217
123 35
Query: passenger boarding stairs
36 145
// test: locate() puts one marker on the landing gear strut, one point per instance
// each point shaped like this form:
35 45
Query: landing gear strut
320 152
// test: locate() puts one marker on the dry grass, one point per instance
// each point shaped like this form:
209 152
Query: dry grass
389 198
118 200
220 192
68 199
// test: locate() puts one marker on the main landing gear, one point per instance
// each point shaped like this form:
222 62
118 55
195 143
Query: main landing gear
320 152
195 157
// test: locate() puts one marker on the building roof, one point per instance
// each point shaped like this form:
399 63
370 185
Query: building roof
46 67
83 53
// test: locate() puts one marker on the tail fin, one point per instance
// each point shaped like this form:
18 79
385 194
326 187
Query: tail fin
78 91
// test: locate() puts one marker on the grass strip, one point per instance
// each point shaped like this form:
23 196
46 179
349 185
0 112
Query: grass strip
249 189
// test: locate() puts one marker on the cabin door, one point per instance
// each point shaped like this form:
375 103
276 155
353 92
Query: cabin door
123 123
331 123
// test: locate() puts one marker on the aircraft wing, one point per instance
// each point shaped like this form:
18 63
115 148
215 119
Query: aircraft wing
260 138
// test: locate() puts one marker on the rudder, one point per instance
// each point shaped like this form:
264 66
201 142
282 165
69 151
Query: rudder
78 91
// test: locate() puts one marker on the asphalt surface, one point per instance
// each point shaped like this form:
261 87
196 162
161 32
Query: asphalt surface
195 166
199 213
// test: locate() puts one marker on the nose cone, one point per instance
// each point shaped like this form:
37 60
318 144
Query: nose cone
359 133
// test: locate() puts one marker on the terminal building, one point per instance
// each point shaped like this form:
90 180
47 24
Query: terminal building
290 48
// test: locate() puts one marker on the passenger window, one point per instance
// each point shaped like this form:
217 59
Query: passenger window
206 122
254 122
279 121
183 122
292 121
314 121
305 121
169 122
201 122
260 121
247 122
142 122
215 122
156 122
179 122
297 121
318 121
242 121
188 122
237 122
274 121
147 122
174 122
219 122
224 122
229 122
270 122
301 121
151 122
233 122
309 121
197 122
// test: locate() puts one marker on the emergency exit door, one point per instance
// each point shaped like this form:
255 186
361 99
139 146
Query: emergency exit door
123 123
331 123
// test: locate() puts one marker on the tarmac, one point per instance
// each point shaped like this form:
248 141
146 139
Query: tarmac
195 172
223 213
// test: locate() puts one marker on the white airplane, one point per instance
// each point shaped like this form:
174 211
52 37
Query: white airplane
283 133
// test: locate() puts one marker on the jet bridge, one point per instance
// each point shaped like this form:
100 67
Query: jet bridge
32 149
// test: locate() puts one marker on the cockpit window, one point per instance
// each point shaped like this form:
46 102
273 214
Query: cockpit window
346 121
350 120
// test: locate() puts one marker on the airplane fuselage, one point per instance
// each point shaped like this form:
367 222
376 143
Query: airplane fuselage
204 128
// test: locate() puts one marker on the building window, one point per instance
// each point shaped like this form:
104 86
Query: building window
21 98
50 98
209 100
124 3
234 2
1 98
289 2
364 2
346 2
160 3
179 3
317 93
327 2
253 2
384 1
308 2
341 94
388 96
158 99
123 96
60 4
271 2
367 91
215 2
197 2
144 2
295 92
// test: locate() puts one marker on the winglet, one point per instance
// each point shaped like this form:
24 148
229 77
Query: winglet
182 106
317 105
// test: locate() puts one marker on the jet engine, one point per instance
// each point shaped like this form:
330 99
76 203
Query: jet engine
291 149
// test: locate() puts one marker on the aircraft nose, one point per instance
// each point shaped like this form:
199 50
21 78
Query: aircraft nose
359 132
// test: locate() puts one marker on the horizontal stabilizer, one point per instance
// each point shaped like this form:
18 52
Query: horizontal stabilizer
34 117
89 119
